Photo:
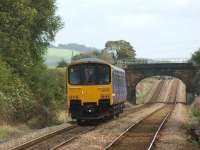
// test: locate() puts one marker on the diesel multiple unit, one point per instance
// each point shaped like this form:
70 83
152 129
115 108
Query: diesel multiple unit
95 90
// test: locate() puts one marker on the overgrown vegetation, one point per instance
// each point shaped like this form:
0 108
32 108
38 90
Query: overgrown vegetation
196 57
29 91
16 98
195 107
196 60
62 63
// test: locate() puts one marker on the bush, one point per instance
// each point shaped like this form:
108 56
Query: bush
37 100
16 99
62 63
195 109
48 86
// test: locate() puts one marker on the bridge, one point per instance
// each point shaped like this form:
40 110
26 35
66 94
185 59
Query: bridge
135 72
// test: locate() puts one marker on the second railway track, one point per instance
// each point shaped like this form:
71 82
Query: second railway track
142 136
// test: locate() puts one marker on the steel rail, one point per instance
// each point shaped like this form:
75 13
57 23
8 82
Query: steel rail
158 130
42 138
133 124
165 118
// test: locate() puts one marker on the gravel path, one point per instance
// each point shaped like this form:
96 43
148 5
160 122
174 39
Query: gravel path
174 136
105 133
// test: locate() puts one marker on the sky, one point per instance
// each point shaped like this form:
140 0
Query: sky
155 28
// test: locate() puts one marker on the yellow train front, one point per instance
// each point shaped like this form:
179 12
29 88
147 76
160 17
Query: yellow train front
95 90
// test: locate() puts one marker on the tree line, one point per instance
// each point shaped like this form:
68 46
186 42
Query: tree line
28 89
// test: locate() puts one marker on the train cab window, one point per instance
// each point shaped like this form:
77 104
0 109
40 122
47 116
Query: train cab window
75 75
103 74
89 74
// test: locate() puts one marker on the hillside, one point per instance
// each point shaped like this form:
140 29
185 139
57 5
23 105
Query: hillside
54 55
79 47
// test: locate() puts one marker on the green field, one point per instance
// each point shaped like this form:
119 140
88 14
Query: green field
55 55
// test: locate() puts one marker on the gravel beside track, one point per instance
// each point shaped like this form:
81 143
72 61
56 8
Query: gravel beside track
18 141
181 95
174 136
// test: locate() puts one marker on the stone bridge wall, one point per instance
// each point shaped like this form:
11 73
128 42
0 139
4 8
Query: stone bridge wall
136 72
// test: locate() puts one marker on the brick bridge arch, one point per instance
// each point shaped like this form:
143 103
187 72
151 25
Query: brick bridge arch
136 72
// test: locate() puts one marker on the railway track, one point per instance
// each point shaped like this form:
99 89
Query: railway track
154 96
157 92
61 137
144 134
55 139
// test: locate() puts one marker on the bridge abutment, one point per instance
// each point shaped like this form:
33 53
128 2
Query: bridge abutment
183 71
131 94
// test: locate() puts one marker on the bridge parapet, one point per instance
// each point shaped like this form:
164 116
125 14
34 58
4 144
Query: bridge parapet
124 63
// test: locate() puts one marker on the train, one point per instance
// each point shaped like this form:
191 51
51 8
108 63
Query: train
95 90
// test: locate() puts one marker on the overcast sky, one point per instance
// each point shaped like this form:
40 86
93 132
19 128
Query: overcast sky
155 28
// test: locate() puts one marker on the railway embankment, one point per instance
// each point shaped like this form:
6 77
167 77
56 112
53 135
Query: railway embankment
145 89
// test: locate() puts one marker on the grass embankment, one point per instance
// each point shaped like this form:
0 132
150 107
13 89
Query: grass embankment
143 89
12 131
6 131
55 55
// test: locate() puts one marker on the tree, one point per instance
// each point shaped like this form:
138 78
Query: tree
123 49
26 28
196 59
196 56
62 63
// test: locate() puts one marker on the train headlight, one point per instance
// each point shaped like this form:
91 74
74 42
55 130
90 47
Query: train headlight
105 96
73 97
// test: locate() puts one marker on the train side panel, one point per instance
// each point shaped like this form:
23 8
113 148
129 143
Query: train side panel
118 86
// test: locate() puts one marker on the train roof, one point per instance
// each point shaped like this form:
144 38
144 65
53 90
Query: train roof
96 60
88 60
